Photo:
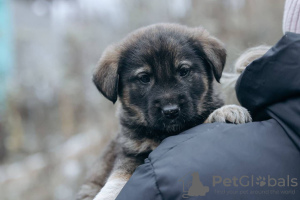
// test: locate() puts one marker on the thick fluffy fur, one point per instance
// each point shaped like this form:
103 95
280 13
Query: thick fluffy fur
164 77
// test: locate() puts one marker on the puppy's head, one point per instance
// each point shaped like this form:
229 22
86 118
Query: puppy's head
163 75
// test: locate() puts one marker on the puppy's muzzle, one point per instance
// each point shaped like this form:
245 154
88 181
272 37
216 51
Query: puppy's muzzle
170 104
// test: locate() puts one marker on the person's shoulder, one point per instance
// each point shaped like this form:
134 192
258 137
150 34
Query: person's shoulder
209 135
209 154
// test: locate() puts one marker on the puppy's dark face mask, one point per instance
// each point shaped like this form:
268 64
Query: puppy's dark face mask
163 75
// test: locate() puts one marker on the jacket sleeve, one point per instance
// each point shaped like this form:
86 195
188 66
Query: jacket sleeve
142 185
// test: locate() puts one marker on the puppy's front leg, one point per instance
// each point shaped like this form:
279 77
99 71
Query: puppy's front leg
123 169
113 186
98 174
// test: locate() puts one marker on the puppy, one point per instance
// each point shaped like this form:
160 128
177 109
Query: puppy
164 76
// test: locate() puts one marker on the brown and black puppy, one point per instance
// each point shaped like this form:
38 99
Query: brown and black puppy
164 77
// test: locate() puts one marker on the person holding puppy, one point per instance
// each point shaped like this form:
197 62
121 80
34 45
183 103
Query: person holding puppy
258 160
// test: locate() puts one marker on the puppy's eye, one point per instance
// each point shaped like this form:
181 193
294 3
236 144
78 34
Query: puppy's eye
184 71
144 78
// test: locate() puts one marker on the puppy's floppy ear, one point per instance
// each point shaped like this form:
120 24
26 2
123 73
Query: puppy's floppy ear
214 50
106 77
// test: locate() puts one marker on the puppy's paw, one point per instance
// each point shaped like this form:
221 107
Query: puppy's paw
230 113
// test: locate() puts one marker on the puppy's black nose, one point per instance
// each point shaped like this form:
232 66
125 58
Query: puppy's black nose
170 111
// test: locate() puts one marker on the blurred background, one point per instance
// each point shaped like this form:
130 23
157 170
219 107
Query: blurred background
53 121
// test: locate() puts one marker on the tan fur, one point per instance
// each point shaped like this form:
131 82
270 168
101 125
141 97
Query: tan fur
139 116
201 106
143 69
138 146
